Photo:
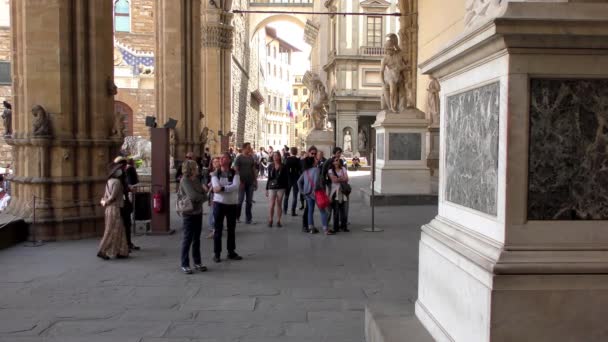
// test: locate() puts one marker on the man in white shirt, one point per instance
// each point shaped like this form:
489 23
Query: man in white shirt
226 183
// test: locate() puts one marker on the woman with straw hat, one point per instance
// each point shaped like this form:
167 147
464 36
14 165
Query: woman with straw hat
114 241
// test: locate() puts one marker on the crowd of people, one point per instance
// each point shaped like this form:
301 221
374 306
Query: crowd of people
223 184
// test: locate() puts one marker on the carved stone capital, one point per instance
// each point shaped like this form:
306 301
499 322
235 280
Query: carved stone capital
217 35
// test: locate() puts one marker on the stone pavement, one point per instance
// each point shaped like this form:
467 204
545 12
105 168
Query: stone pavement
290 287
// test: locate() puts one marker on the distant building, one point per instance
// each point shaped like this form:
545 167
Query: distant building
303 124
277 123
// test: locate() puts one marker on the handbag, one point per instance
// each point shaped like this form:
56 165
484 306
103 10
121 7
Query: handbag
183 204
346 189
320 195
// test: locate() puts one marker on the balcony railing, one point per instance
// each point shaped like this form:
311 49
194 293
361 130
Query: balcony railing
371 50
281 2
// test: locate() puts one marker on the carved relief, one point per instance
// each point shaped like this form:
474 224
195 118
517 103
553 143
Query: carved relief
111 87
41 124
477 10
217 36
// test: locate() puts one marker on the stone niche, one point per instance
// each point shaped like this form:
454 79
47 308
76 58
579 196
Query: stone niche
471 162
568 163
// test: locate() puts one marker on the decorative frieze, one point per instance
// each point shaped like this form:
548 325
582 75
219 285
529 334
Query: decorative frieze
568 155
471 145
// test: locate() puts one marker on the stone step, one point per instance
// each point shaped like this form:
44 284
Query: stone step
393 322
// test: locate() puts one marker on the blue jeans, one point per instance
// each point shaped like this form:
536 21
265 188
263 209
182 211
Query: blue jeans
310 205
193 225
293 185
211 219
245 190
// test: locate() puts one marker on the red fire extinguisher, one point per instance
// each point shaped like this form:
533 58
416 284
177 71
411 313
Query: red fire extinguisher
157 202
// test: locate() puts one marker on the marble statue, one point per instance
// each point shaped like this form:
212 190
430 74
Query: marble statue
348 146
119 128
41 124
7 118
317 100
138 148
433 101
362 142
393 71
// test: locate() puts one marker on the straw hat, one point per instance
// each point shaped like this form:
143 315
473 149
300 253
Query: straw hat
112 168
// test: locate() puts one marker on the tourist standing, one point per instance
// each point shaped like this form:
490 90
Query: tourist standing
190 188
293 167
245 167
308 183
275 187
114 240
226 184
127 209
215 165
339 179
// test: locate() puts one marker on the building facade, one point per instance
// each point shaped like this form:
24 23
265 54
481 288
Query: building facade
278 120
302 122
353 68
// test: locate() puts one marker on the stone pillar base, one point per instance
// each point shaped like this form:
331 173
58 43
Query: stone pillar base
401 153
465 294
323 140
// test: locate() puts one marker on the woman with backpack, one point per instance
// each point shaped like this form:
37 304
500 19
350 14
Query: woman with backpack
310 185
340 189
278 181
190 198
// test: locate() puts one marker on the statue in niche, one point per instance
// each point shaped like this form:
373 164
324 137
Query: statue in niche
362 142
172 140
348 146
111 87
433 101
317 101
41 125
393 71
7 118
119 128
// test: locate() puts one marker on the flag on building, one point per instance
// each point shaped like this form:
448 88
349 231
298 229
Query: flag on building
289 110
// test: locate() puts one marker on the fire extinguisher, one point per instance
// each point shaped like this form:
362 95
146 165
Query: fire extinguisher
157 202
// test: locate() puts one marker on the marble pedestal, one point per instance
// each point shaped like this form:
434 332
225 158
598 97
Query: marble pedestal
401 170
432 158
323 140
518 249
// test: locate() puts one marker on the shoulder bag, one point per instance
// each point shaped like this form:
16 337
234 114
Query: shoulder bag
183 204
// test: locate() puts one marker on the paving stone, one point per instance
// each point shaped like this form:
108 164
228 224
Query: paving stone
224 330
291 287
106 328
231 303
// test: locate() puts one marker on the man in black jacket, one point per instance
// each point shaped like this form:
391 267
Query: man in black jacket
294 170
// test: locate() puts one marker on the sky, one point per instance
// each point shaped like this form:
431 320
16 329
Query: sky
294 35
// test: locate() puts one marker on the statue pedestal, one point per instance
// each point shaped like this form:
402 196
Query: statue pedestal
519 243
323 140
402 174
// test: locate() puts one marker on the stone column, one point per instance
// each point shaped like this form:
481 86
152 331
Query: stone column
62 61
408 41
178 71
216 64
518 249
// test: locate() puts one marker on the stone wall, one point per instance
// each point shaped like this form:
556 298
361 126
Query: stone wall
142 103
141 37
244 119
